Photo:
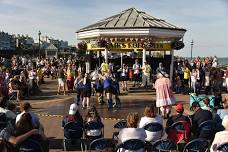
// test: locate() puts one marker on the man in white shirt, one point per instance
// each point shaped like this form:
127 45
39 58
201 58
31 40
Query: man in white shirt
136 68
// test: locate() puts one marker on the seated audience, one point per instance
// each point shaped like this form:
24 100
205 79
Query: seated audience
150 116
206 106
73 115
221 136
223 112
174 132
27 108
179 116
8 133
9 110
198 117
132 132
93 116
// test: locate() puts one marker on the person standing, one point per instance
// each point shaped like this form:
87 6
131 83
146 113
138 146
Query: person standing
136 68
124 73
146 69
87 90
164 94
70 79
193 80
61 80
160 68
104 67
186 78
226 77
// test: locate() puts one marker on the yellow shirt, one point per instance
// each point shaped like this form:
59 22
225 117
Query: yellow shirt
104 68
39 74
186 73
146 69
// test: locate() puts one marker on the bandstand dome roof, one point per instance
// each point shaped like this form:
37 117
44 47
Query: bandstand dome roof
131 20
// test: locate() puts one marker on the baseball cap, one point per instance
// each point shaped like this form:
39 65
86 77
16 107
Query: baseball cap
73 109
179 107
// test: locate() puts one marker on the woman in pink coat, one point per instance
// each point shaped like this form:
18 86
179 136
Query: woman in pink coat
164 94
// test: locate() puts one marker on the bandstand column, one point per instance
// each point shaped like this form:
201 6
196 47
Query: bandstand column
106 55
121 59
98 56
144 56
171 65
87 63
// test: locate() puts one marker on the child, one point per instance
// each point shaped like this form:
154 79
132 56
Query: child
206 106
99 90
116 92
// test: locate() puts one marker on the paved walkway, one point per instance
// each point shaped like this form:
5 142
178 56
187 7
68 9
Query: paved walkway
51 108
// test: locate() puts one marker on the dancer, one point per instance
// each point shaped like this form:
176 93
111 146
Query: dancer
165 98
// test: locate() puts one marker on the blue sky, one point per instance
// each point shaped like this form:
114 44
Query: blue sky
206 21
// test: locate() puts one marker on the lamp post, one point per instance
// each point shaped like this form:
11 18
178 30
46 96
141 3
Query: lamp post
191 48
39 33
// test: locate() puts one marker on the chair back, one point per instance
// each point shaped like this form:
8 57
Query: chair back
196 145
153 127
131 145
207 129
154 131
92 125
120 125
94 130
30 145
3 121
164 145
179 131
73 130
102 144
223 147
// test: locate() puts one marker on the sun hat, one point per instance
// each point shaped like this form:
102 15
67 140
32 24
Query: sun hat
179 107
73 109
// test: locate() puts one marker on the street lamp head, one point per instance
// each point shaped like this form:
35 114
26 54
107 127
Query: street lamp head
39 33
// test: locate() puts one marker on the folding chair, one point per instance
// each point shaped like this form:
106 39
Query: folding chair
132 145
94 130
164 145
207 130
3 121
223 147
154 131
199 145
73 132
30 145
119 125
102 144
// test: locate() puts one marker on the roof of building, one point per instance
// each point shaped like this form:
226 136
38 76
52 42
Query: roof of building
131 18
51 47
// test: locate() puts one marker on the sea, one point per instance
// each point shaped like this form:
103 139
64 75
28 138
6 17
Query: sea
223 61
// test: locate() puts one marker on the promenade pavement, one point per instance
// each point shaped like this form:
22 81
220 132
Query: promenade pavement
52 107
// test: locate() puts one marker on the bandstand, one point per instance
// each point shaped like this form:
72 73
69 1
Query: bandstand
131 30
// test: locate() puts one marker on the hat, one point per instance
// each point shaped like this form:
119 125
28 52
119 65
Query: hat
179 107
195 104
73 109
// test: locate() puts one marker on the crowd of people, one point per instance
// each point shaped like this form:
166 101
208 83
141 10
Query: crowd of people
22 77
